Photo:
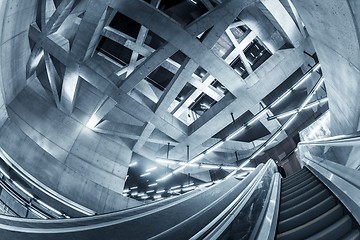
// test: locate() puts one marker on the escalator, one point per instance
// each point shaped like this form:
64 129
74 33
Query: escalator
308 210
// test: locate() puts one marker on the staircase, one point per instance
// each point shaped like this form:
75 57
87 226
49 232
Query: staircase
308 210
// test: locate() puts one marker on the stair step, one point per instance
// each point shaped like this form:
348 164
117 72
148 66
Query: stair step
313 226
300 179
307 215
334 231
300 184
308 203
353 235
301 189
301 198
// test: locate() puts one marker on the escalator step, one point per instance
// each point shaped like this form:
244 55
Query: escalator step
300 179
313 226
308 203
297 191
300 184
334 231
301 198
294 177
353 235
308 215
303 170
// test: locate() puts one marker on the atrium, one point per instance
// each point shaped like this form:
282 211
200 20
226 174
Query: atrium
140 111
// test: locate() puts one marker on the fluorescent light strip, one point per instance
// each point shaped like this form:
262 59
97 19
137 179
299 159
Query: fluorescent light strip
145 174
229 167
257 116
162 160
151 169
188 185
126 190
234 134
132 188
152 185
150 191
144 197
179 169
210 166
23 189
287 114
160 191
132 164
157 196
175 187
214 147
205 184
281 98
189 164
197 158
291 120
188 188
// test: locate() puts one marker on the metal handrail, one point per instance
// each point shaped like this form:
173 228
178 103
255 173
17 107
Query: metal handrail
340 140
343 181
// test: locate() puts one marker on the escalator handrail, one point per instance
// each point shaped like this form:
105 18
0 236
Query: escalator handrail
342 181
216 227
269 221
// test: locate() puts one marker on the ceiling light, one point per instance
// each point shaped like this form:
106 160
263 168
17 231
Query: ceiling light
150 191
229 167
281 98
157 196
153 184
144 197
193 1
132 188
210 166
234 134
126 190
162 160
188 188
179 169
258 116
145 174
187 185
189 164
205 184
197 158
132 164
175 187
214 147
151 169
160 191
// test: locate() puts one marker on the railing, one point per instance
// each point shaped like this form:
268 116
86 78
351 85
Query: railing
251 202
343 181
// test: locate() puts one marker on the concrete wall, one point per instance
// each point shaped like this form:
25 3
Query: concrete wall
16 15
333 26
56 148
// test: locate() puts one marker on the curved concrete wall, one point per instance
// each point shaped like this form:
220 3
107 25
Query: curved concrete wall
333 26
54 147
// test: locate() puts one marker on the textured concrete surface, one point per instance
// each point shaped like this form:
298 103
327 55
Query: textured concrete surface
333 27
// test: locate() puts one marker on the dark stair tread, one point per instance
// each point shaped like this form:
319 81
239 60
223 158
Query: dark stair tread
304 182
308 203
301 198
314 225
334 231
353 235
307 215
297 191
295 182
293 178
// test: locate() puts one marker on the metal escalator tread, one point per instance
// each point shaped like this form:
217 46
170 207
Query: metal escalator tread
286 182
334 231
295 182
353 235
308 203
307 215
313 226
302 183
295 192
301 197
